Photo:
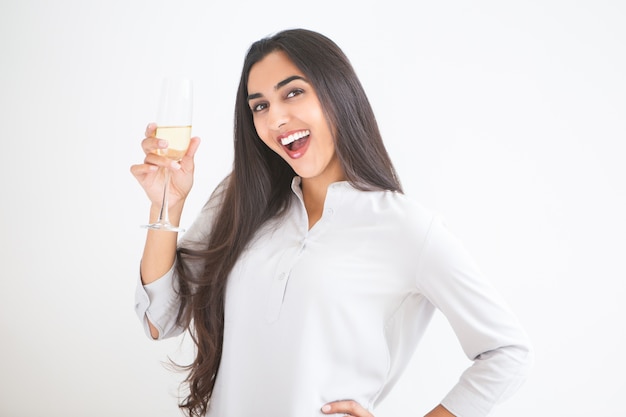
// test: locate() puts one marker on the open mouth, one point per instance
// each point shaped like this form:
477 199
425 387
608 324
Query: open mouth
296 140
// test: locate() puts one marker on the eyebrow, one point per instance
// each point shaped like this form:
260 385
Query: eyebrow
279 85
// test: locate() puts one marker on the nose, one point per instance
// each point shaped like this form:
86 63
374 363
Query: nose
278 116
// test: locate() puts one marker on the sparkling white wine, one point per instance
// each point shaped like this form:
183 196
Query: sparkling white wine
178 139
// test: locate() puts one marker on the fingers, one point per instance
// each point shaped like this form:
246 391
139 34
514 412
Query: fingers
142 169
161 161
151 146
347 407
150 130
151 143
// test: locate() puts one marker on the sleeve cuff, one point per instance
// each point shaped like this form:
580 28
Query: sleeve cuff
158 302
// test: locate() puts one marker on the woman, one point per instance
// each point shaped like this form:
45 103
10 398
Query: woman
309 277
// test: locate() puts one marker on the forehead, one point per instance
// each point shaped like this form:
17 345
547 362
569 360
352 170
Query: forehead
269 71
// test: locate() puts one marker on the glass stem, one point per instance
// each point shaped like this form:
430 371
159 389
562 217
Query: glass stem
164 216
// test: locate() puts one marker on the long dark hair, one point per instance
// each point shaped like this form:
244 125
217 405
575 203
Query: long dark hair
258 189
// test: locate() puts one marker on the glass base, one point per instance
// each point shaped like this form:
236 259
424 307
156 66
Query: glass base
166 227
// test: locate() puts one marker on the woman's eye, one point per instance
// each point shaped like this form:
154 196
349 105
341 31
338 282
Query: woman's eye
258 107
294 93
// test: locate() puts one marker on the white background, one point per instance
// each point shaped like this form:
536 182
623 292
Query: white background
506 117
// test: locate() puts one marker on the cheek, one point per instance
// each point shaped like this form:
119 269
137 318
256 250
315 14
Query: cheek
315 115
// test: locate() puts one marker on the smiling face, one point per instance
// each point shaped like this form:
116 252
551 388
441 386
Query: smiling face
288 117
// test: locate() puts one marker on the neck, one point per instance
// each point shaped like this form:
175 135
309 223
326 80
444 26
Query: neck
314 194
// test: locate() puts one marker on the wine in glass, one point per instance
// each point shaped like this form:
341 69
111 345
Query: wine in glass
174 125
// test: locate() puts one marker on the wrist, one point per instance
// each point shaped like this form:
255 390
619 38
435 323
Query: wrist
174 213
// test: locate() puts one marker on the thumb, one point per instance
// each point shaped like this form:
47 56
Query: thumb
194 143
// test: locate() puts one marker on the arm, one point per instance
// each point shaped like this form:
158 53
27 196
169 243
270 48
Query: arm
160 248
488 331
158 255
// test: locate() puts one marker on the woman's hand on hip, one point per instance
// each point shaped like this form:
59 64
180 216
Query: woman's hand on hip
346 407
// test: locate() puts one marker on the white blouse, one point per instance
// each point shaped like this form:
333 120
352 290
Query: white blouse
335 312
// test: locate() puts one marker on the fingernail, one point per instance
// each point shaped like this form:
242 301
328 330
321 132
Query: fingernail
326 408
163 143
175 165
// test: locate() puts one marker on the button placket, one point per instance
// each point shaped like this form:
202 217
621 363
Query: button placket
279 282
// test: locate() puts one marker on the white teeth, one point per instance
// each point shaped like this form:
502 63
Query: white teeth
292 138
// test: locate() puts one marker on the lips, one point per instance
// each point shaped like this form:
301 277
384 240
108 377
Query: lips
292 137
295 143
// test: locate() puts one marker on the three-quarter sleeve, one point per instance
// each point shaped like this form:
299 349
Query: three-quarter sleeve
158 302
490 334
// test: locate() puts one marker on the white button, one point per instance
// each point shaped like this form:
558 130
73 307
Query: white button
329 211
281 276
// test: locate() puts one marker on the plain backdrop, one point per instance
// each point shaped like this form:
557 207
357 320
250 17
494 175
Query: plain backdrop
508 118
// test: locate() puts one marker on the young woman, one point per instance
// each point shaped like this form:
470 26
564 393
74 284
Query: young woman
309 277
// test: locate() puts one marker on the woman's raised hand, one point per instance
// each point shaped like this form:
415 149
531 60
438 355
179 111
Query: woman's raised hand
150 174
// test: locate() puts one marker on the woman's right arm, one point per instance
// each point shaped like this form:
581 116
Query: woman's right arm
160 247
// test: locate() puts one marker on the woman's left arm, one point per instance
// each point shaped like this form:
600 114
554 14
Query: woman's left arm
489 332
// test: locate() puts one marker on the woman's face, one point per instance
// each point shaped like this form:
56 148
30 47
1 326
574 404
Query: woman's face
288 117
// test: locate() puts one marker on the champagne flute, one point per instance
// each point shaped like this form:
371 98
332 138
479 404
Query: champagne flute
174 125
